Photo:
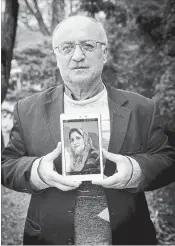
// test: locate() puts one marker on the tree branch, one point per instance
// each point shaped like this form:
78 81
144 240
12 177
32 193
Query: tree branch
40 20
30 8
38 16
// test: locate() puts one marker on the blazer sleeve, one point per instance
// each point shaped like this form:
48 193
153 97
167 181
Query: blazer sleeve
16 164
158 161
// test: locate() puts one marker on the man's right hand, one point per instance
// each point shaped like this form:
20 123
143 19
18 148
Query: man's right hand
52 178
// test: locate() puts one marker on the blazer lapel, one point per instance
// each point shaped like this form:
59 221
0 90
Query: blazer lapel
53 108
119 119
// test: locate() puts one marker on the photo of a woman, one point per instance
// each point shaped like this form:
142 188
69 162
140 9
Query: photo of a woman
84 158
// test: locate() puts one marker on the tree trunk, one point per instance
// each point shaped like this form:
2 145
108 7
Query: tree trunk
71 7
58 13
7 44
54 21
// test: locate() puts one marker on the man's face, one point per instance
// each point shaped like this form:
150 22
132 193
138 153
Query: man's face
81 67
77 143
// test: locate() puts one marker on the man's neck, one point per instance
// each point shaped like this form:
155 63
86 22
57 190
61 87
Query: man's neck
83 93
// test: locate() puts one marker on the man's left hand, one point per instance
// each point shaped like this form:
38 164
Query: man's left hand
123 174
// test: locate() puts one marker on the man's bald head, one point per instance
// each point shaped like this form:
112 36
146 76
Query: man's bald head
85 42
62 30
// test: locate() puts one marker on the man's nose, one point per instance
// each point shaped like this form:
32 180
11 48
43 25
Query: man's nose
78 54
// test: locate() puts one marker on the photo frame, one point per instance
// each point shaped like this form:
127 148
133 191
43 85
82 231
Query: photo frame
81 146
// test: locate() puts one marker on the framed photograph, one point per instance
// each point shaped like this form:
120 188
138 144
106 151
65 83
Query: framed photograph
81 146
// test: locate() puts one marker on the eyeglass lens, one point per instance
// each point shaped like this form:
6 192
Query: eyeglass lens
69 47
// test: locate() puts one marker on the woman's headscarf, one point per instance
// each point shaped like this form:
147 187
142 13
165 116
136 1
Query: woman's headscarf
79 160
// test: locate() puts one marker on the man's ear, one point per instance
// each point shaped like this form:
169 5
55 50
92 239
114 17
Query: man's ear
58 64
105 55
56 57
57 60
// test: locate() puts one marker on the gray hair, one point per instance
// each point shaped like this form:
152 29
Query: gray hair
101 28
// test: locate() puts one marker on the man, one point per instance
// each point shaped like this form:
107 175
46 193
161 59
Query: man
109 211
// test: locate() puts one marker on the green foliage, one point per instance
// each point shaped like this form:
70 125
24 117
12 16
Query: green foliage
93 7
141 53
165 93
38 66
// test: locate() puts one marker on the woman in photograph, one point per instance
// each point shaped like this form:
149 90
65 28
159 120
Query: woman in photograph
84 157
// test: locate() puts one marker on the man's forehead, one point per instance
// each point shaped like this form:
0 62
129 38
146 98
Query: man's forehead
75 27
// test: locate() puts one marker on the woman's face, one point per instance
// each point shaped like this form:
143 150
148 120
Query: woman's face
77 142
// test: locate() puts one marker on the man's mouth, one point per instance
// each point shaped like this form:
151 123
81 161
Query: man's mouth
76 68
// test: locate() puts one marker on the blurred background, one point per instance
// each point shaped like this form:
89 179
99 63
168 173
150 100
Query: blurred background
141 58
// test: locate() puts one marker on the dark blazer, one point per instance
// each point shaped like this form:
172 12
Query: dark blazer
135 132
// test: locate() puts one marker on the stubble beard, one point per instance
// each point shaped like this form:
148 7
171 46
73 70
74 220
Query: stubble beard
81 87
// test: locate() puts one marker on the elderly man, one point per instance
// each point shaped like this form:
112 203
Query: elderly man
108 211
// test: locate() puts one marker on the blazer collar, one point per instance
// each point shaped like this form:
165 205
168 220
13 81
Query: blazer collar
116 95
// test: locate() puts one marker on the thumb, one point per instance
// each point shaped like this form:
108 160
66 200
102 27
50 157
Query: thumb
109 156
54 154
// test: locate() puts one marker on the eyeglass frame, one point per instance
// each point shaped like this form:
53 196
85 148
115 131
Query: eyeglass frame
79 43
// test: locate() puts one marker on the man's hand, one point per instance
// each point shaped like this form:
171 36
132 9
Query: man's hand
51 177
123 173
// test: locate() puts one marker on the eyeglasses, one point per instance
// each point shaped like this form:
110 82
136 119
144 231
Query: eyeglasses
68 48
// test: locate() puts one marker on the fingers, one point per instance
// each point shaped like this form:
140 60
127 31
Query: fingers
55 177
111 156
106 182
63 187
120 179
59 146
54 154
62 183
113 182
51 177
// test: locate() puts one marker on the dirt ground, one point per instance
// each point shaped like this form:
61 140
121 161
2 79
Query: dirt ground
14 208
